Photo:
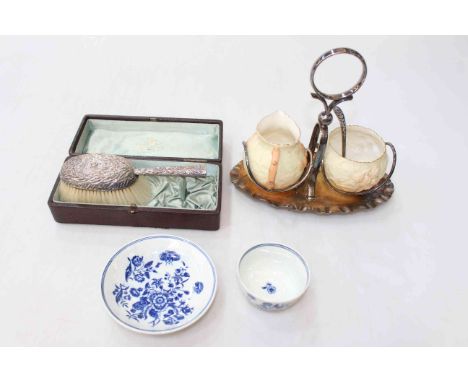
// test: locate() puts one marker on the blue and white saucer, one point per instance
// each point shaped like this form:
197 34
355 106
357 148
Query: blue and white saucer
159 284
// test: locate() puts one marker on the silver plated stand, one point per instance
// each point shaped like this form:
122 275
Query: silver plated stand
319 138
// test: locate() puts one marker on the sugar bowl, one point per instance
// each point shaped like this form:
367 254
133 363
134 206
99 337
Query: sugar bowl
363 165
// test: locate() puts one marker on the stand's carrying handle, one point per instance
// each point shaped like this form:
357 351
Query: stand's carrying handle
319 138
325 118
347 93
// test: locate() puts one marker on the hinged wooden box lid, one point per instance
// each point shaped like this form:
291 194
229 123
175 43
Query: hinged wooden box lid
163 138
148 142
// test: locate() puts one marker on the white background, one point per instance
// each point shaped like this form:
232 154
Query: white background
396 275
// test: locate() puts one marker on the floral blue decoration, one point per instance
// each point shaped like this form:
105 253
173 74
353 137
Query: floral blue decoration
270 288
198 287
169 256
271 306
161 297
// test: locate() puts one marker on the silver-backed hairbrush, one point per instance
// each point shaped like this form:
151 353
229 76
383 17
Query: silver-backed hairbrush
111 179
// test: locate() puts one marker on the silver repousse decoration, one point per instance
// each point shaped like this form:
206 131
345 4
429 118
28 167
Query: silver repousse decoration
106 172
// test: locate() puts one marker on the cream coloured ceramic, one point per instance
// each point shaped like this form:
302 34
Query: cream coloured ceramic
277 158
365 162
273 276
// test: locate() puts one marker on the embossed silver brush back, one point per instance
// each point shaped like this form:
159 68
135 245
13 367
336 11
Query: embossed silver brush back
98 172
106 172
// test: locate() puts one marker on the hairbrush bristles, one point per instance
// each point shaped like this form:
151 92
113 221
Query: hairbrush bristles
139 193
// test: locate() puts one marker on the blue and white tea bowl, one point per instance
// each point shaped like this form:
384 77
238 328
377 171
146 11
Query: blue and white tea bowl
273 276
159 284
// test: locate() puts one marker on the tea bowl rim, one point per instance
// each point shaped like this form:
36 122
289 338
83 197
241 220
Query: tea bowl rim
289 251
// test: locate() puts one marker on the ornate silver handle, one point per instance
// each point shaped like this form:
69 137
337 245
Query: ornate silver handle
319 138
349 92
341 118
195 171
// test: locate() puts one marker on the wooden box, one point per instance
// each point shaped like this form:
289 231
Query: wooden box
146 141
